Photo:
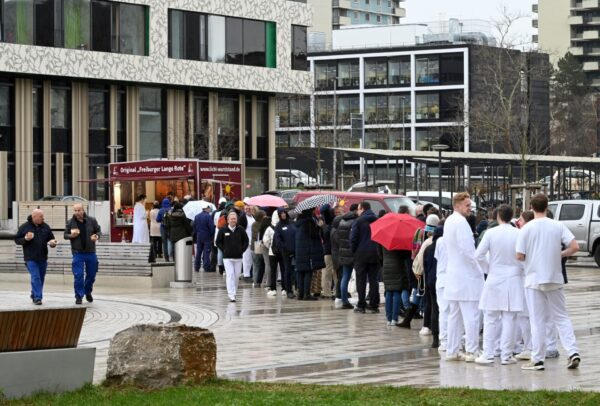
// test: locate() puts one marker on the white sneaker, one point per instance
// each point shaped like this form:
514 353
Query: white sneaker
267 288
509 361
283 293
533 366
523 356
455 357
441 349
272 293
425 331
552 354
470 357
483 360
390 323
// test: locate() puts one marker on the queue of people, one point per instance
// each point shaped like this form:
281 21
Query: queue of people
504 277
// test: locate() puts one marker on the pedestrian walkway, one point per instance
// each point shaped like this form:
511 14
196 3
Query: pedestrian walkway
276 339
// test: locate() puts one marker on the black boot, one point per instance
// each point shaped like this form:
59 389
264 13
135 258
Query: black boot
221 269
409 316
436 341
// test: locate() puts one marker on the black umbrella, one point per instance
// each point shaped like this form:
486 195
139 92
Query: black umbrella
315 201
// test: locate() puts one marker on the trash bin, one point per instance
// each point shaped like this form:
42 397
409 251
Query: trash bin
183 260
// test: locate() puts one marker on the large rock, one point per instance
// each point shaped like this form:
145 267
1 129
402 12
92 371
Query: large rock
161 355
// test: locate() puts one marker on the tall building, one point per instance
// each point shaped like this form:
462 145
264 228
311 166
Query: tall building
400 97
333 14
163 79
570 26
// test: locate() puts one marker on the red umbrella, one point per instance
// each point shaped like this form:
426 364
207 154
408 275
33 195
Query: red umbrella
395 231
266 201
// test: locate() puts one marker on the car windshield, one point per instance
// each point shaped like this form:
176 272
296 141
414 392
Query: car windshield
394 204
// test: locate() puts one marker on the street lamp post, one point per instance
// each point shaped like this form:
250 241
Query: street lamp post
439 148
290 159
335 132
113 151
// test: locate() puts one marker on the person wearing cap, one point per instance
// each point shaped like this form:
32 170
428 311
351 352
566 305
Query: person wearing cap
502 296
35 236
464 282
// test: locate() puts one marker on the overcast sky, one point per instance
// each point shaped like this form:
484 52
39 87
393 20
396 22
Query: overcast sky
441 10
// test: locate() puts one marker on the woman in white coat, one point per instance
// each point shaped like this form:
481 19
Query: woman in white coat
141 234
502 296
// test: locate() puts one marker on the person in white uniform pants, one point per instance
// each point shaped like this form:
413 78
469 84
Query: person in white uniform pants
464 282
233 241
502 296
441 256
539 246
141 233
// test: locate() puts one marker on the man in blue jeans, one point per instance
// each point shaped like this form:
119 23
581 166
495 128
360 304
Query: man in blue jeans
204 234
36 236
83 231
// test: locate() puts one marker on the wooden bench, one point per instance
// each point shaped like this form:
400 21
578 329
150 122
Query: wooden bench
38 351
40 329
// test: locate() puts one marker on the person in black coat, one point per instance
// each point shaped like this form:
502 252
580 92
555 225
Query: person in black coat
284 244
366 260
395 280
233 241
430 273
329 280
36 236
308 252
345 256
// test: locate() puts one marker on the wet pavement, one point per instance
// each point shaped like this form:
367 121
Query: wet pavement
275 339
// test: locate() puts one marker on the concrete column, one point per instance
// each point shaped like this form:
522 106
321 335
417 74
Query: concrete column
133 123
59 164
175 123
4 203
23 139
80 138
242 139
47 137
271 161
254 132
213 124
112 118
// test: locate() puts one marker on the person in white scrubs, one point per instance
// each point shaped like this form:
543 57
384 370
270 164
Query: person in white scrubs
141 232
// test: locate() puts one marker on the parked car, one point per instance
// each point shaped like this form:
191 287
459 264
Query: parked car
298 178
380 186
433 196
70 198
379 201
574 180
582 217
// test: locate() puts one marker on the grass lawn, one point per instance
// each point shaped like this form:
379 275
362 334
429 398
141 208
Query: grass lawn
222 392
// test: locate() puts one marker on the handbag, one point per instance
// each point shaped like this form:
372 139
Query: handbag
258 245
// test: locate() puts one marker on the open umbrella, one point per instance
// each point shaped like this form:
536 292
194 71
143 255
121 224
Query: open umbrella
315 201
395 231
192 208
266 201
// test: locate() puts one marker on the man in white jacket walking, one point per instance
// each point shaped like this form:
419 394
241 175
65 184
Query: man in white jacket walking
502 297
464 282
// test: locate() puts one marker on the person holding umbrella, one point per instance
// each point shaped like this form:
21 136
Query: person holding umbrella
308 252
366 260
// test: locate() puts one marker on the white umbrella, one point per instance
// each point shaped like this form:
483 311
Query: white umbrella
193 208
315 201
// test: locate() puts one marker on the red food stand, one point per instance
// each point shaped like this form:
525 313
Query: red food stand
159 178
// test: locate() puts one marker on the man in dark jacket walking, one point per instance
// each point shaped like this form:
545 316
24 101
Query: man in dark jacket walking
233 241
284 243
83 231
36 236
165 207
366 260
345 255
204 233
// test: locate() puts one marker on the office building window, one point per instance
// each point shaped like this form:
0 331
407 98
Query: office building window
216 33
376 109
398 104
428 70
299 48
121 114
427 106
347 105
376 72
254 36
324 110
133 26
200 141
48 23
234 40
399 71
187 35
283 111
101 20
325 74
348 74
99 136
18 21
228 127
152 117
451 69
76 17
262 126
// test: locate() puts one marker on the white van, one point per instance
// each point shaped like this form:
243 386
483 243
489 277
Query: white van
433 196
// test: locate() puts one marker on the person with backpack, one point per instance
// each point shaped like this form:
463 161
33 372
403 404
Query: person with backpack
308 252
165 207
177 224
